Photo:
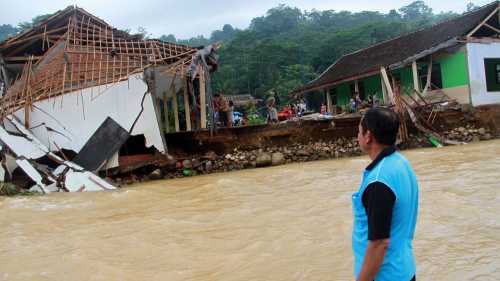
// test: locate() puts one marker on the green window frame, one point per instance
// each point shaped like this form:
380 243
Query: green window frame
492 72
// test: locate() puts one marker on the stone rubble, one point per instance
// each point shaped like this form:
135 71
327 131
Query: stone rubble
279 155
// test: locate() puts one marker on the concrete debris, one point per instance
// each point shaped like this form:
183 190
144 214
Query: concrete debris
28 150
85 181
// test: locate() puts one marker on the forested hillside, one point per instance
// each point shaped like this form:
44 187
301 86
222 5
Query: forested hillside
288 47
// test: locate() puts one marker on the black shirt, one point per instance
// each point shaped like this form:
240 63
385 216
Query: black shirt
378 200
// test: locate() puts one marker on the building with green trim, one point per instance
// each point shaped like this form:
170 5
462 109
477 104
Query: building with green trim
459 57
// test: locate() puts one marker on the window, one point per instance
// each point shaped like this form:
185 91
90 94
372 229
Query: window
497 67
492 71
436 79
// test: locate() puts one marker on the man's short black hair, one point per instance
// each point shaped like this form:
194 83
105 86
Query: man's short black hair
383 123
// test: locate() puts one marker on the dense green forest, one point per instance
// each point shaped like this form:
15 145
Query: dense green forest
287 47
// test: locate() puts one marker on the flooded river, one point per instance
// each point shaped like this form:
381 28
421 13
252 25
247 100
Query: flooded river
290 222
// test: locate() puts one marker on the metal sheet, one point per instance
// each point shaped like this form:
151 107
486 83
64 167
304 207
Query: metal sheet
103 144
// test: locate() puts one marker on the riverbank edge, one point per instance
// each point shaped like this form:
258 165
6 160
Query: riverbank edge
211 163
293 153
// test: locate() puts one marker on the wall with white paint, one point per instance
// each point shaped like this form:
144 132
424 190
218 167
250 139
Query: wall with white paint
71 119
476 53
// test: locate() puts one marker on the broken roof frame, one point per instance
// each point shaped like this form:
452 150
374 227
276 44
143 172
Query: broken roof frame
77 50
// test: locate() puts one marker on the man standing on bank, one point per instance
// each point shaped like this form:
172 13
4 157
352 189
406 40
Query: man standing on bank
386 205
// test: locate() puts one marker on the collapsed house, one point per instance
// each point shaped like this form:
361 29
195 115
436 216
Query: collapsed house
79 96
456 61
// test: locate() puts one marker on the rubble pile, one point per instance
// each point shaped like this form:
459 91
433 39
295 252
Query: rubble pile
246 159
469 133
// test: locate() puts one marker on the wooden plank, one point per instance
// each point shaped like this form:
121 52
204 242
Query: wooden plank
387 84
356 86
32 38
203 103
175 105
187 109
416 84
492 28
21 58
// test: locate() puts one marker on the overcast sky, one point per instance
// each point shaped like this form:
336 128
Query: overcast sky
186 19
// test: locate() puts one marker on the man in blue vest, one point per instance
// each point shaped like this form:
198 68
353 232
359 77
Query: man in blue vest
386 204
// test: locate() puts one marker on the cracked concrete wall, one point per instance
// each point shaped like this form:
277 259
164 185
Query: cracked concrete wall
71 119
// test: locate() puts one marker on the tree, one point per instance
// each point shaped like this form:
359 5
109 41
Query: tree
280 19
34 21
292 77
471 7
142 31
393 15
416 11
286 48
225 34
7 30
168 38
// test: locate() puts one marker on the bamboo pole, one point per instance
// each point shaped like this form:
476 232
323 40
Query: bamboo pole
203 103
187 109
165 112
176 110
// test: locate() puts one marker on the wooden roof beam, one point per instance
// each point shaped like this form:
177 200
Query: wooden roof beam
21 58
483 22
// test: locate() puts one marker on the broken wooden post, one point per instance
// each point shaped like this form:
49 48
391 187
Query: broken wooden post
416 84
3 73
187 109
165 112
329 107
356 86
176 110
387 84
384 90
429 76
203 103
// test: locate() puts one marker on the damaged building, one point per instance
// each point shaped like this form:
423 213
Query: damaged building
455 61
79 96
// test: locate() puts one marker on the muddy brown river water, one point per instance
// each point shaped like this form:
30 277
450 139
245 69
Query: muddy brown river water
289 222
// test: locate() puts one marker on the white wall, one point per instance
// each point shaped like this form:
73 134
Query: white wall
476 53
77 115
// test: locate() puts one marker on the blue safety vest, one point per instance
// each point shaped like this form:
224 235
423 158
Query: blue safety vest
399 263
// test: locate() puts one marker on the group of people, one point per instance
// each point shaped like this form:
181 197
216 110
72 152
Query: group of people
356 103
289 111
